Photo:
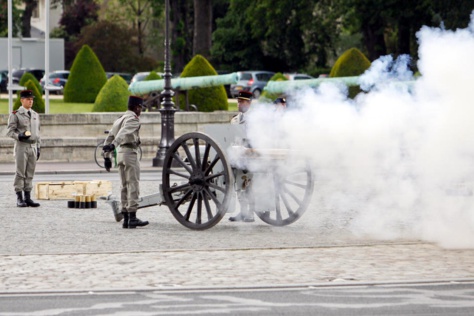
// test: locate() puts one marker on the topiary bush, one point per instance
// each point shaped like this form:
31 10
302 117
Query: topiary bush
38 103
113 97
270 97
351 63
153 76
27 77
86 79
206 99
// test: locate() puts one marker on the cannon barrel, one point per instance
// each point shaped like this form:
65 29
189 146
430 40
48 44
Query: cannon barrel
287 85
145 87
284 86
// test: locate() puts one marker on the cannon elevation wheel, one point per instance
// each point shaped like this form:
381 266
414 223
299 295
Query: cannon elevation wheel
197 181
289 192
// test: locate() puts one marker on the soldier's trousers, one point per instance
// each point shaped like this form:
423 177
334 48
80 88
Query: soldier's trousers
25 161
129 170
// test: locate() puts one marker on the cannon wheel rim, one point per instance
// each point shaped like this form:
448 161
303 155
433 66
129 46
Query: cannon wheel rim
284 214
205 209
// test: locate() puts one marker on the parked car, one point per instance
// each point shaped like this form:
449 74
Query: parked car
17 74
253 81
298 76
57 79
3 80
126 76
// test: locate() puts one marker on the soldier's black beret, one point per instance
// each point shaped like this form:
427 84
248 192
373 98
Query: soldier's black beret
245 95
26 94
134 101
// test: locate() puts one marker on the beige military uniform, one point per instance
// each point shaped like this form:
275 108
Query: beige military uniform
243 180
25 152
125 137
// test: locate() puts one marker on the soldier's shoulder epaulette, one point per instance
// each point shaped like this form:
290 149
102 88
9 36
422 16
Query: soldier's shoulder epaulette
235 115
14 112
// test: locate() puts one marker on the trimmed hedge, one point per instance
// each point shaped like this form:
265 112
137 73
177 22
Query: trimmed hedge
38 103
153 76
27 77
113 97
206 99
86 79
351 63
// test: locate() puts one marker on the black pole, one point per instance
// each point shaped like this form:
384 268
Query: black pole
167 110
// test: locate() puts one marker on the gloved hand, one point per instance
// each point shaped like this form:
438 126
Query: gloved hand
107 163
37 154
109 148
22 137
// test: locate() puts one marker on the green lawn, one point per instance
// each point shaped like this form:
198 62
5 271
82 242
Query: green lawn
57 106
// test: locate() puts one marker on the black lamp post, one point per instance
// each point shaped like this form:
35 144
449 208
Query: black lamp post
167 110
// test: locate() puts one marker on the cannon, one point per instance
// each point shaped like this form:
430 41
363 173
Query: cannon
202 171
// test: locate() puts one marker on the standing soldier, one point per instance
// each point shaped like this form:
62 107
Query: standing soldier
125 137
243 179
23 127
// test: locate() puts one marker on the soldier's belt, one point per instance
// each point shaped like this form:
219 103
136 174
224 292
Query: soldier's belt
132 146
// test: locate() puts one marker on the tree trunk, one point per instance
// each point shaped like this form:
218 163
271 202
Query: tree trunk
403 40
202 27
180 34
374 40
30 6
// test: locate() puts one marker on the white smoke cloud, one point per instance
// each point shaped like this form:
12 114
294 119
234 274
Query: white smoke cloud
398 161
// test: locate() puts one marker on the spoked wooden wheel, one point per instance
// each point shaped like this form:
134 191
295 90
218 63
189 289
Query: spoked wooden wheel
197 181
288 194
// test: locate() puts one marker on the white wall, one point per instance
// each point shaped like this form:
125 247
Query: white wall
29 53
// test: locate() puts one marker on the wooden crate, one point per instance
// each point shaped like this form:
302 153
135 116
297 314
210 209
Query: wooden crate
66 190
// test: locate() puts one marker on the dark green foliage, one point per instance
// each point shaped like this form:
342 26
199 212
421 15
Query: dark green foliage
27 77
206 99
115 47
351 63
153 76
86 79
113 97
38 103
269 97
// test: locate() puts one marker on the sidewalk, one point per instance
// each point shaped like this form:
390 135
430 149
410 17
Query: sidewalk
53 248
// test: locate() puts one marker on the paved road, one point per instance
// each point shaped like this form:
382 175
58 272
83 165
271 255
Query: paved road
53 248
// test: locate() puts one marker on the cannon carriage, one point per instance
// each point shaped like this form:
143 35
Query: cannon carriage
203 171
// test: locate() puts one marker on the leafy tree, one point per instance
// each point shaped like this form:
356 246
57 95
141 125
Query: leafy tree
38 103
86 79
206 99
113 97
30 6
114 46
283 35
16 20
78 14
141 16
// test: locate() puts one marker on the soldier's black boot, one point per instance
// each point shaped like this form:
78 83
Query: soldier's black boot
19 200
29 201
133 221
125 219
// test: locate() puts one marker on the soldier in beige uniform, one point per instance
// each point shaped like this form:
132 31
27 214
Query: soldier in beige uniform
124 136
23 127
243 181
